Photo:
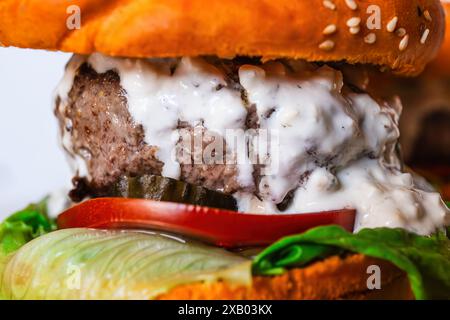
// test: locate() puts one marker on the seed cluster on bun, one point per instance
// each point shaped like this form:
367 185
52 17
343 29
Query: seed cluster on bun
402 35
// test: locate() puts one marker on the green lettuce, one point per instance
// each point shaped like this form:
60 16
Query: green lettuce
37 262
426 260
23 226
114 264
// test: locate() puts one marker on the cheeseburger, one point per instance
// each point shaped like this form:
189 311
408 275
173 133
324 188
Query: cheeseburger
230 150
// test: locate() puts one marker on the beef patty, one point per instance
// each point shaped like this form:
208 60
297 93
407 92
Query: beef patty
101 132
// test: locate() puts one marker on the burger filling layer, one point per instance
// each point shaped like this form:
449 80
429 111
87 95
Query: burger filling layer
281 137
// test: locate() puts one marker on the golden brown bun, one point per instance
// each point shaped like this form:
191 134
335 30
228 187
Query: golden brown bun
267 28
442 63
333 278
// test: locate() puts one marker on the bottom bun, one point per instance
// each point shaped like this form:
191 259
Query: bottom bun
333 278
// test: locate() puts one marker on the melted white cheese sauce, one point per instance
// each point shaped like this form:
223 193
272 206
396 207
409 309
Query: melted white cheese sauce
344 144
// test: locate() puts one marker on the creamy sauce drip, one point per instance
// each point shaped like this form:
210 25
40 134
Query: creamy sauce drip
336 150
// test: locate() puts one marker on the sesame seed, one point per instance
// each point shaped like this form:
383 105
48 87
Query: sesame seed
327 45
404 43
392 25
400 32
427 15
351 4
353 22
354 30
371 38
424 37
329 4
330 29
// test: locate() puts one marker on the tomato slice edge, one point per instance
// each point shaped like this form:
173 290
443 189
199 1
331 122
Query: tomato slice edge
215 226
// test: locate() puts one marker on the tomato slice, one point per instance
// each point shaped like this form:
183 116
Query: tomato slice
219 227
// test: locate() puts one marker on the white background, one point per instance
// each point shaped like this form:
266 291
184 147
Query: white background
32 163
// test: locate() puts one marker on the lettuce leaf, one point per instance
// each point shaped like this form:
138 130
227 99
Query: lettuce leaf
23 226
114 264
426 260
20 228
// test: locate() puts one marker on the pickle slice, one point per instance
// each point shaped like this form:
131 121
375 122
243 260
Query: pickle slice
166 189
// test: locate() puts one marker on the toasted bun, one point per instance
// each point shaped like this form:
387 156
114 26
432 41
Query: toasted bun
333 278
226 28
442 63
